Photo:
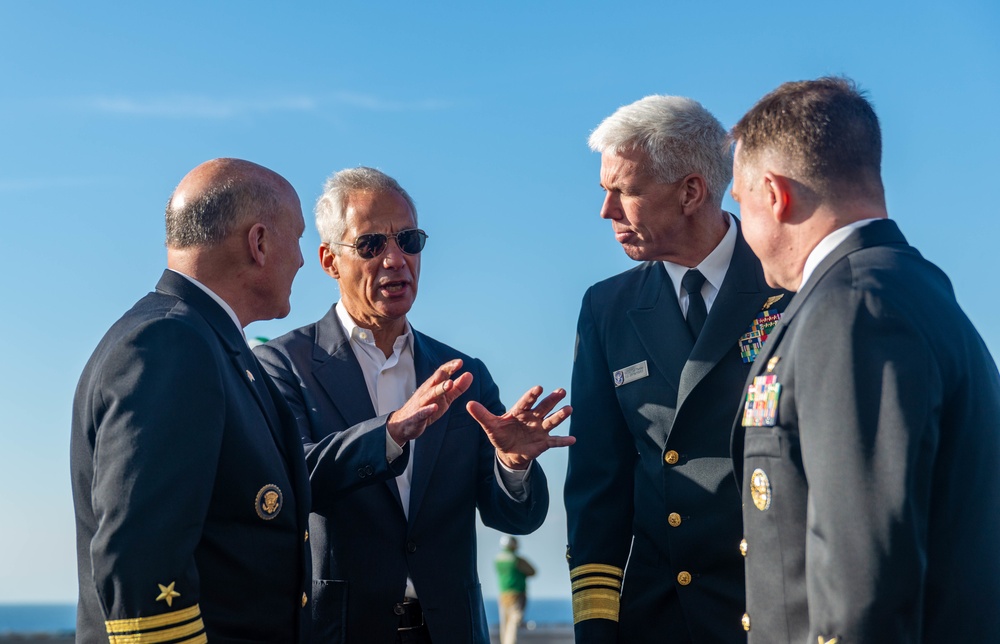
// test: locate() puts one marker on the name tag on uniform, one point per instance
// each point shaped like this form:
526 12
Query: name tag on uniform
629 374
761 407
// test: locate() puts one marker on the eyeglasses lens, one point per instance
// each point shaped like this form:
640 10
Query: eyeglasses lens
410 241
370 245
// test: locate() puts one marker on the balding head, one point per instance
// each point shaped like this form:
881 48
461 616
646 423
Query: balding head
220 196
234 226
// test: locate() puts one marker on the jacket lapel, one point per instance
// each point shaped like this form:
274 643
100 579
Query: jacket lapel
236 347
337 370
876 233
659 324
428 446
739 299
295 459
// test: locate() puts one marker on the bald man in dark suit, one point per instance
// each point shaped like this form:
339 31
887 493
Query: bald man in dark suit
190 488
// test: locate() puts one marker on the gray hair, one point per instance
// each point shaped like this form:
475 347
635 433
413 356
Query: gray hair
331 207
214 214
677 134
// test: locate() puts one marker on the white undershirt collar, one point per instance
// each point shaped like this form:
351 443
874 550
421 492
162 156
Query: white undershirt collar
826 246
714 267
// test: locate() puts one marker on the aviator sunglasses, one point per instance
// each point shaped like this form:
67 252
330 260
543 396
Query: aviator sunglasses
410 241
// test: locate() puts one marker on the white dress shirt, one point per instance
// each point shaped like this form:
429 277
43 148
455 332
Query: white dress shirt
714 267
391 381
218 300
826 246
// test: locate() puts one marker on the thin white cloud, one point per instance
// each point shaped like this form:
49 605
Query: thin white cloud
189 106
201 107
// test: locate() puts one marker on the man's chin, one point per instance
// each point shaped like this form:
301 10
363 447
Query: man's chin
396 309
637 253
775 282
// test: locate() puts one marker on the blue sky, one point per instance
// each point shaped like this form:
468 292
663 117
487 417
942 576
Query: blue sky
481 112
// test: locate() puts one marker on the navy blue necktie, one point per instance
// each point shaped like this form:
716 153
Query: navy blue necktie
697 312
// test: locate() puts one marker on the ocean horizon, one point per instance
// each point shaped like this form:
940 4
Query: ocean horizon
542 612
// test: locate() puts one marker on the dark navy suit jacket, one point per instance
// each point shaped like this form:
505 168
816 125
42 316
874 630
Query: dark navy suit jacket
872 505
650 477
363 545
189 483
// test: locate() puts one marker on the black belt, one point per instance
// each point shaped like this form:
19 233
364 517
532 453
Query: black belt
410 615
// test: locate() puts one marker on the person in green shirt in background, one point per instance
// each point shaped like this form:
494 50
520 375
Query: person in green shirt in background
512 572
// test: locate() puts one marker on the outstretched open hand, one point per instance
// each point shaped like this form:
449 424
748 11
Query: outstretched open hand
428 402
522 433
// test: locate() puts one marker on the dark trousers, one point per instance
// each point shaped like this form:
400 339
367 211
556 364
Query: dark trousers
412 629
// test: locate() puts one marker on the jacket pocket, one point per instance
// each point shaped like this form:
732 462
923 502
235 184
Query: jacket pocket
329 611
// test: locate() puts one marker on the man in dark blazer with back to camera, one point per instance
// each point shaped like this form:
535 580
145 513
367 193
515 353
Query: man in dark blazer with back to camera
189 485
396 562
870 473
662 353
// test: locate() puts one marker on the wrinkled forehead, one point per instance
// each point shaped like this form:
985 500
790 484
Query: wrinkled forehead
384 211
622 165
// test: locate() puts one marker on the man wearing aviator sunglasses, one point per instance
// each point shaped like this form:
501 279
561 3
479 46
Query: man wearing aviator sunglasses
396 562
410 241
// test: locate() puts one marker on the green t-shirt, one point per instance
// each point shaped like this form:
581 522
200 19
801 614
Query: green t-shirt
510 575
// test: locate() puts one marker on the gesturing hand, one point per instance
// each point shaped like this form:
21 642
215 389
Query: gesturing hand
522 433
428 402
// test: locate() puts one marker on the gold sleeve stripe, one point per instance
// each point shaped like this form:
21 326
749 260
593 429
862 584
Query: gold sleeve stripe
595 603
602 569
201 639
166 635
156 621
588 582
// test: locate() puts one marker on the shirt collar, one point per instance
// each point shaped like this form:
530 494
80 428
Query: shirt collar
218 300
827 246
365 336
714 267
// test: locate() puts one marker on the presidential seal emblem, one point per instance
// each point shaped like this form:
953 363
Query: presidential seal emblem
619 378
268 503
760 489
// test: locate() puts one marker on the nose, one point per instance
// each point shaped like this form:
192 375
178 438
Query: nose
612 206
393 257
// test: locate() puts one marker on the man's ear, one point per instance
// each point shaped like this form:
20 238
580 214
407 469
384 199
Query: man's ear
778 191
328 260
693 192
257 243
